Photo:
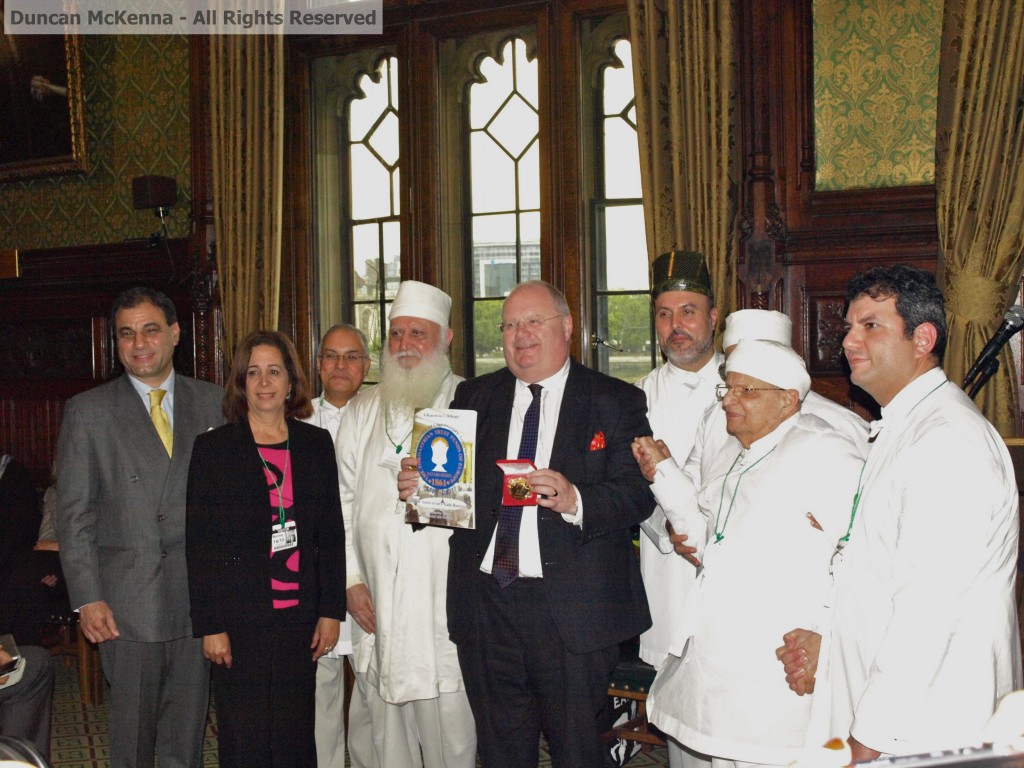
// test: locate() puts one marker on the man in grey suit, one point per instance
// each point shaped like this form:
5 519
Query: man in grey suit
122 470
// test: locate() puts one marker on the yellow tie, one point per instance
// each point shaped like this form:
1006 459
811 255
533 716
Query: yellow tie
160 420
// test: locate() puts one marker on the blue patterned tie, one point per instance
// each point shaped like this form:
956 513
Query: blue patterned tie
506 545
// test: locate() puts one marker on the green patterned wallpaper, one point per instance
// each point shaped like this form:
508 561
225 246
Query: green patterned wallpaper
136 123
876 72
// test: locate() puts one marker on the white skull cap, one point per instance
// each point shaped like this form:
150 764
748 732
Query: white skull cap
416 299
771 362
765 324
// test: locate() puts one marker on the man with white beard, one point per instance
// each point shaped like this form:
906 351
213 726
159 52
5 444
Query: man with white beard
405 665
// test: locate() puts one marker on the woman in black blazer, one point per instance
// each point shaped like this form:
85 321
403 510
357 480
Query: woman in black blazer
265 543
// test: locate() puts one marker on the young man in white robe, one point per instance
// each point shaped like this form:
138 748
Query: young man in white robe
924 640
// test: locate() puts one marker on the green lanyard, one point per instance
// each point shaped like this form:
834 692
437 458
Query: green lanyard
860 478
387 431
853 509
281 516
720 532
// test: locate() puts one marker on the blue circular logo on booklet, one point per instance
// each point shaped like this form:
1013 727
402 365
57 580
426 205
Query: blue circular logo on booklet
440 457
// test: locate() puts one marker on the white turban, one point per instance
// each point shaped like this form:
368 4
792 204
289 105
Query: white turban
416 299
771 362
757 324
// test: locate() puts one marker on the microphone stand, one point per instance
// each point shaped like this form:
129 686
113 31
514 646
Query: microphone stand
984 375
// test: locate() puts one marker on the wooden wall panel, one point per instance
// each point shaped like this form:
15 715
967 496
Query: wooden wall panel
29 426
798 246
55 336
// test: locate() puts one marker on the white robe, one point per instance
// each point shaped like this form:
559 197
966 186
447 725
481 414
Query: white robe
925 639
676 403
684 474
409 657
769 573
328 416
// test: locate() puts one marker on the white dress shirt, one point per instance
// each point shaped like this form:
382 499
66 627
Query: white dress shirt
167 403
550 406
326 415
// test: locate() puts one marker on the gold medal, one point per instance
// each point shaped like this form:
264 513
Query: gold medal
519 488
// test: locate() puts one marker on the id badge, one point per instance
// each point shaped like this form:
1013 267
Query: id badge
284 538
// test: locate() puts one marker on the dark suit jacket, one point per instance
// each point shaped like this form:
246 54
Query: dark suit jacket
591 574
121 504
228 531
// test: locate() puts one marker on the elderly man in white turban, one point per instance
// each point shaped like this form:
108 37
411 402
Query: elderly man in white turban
765 521
405 665
769 325
712 438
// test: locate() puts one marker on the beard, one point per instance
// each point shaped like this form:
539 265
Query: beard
415 387
698 349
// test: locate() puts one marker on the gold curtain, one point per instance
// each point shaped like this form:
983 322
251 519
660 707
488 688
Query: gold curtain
683 65
247 126
979 182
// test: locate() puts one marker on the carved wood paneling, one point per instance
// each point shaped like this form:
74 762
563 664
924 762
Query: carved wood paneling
799 246
826 317
55 336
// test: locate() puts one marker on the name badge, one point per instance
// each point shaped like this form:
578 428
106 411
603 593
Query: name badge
284 538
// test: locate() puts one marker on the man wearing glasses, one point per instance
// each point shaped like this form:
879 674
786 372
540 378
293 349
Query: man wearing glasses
541 595
342 364
764 521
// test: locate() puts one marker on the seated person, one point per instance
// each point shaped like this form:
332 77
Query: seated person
25 701
32 589
19 511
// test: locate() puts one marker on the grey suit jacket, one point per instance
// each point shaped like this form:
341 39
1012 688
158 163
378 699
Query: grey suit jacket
121 504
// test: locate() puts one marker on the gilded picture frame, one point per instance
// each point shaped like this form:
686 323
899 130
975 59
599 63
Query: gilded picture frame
42 127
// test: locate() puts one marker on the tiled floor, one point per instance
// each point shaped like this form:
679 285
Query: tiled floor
79 733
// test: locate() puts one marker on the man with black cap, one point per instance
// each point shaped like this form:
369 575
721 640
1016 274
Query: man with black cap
678 394
765 521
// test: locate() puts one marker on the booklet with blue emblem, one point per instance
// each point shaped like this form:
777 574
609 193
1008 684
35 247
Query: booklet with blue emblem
442 444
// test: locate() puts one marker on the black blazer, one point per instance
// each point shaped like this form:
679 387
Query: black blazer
227 535
591 575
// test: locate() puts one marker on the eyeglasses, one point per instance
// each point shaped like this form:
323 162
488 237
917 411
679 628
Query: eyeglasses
721 390
349 358
533 324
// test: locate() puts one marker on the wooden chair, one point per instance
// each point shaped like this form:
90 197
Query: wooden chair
632 679
73 645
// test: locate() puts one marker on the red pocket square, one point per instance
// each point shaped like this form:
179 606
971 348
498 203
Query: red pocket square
597 441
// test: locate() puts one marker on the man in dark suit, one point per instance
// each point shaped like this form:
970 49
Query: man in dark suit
538 634
122 468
